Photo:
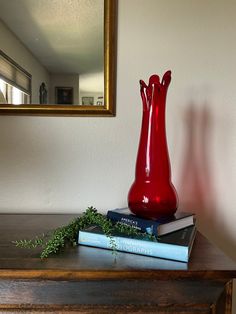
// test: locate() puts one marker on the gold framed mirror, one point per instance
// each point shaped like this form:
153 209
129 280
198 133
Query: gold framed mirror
88 105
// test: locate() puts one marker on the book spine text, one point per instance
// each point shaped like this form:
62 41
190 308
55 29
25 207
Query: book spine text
143 225
143 247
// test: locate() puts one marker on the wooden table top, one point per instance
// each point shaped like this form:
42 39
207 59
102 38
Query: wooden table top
84 262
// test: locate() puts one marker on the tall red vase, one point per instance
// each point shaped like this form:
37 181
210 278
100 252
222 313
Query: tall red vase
152 195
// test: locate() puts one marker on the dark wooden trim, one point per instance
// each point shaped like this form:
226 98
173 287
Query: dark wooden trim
167 296
73 274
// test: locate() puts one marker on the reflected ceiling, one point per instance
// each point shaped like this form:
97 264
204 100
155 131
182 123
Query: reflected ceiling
65 35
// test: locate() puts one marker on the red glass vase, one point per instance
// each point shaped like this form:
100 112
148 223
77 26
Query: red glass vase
152 195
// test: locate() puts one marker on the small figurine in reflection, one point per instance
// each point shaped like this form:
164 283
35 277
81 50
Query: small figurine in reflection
43 93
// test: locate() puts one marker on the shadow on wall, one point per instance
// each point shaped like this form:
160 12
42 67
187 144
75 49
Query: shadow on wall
197 186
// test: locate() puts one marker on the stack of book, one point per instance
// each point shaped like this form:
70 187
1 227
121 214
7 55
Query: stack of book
174 236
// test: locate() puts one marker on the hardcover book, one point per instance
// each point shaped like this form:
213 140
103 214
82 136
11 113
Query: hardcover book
174 246
156 227
132 261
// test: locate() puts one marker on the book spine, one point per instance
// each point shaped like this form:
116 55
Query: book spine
141 247
144 225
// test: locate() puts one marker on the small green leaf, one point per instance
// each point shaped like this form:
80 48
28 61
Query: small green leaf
58 238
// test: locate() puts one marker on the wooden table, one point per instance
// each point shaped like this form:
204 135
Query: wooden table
90 280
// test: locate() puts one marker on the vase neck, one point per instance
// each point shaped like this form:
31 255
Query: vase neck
153 151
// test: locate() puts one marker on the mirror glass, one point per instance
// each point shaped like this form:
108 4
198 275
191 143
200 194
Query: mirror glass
57 56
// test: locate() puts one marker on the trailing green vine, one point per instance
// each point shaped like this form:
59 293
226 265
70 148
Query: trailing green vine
53 242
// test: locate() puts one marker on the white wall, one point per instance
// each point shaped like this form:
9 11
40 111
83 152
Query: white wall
51 164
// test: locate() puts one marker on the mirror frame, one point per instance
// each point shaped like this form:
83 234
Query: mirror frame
110 53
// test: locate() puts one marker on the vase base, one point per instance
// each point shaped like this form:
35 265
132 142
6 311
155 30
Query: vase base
154 213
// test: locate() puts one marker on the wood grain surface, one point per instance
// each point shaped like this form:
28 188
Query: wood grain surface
92 280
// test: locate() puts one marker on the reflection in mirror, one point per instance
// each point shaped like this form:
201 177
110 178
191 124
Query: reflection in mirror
57 57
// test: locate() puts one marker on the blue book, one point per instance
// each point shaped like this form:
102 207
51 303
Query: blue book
174 246
156 227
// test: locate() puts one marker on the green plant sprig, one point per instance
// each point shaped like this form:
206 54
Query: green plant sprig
53 242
